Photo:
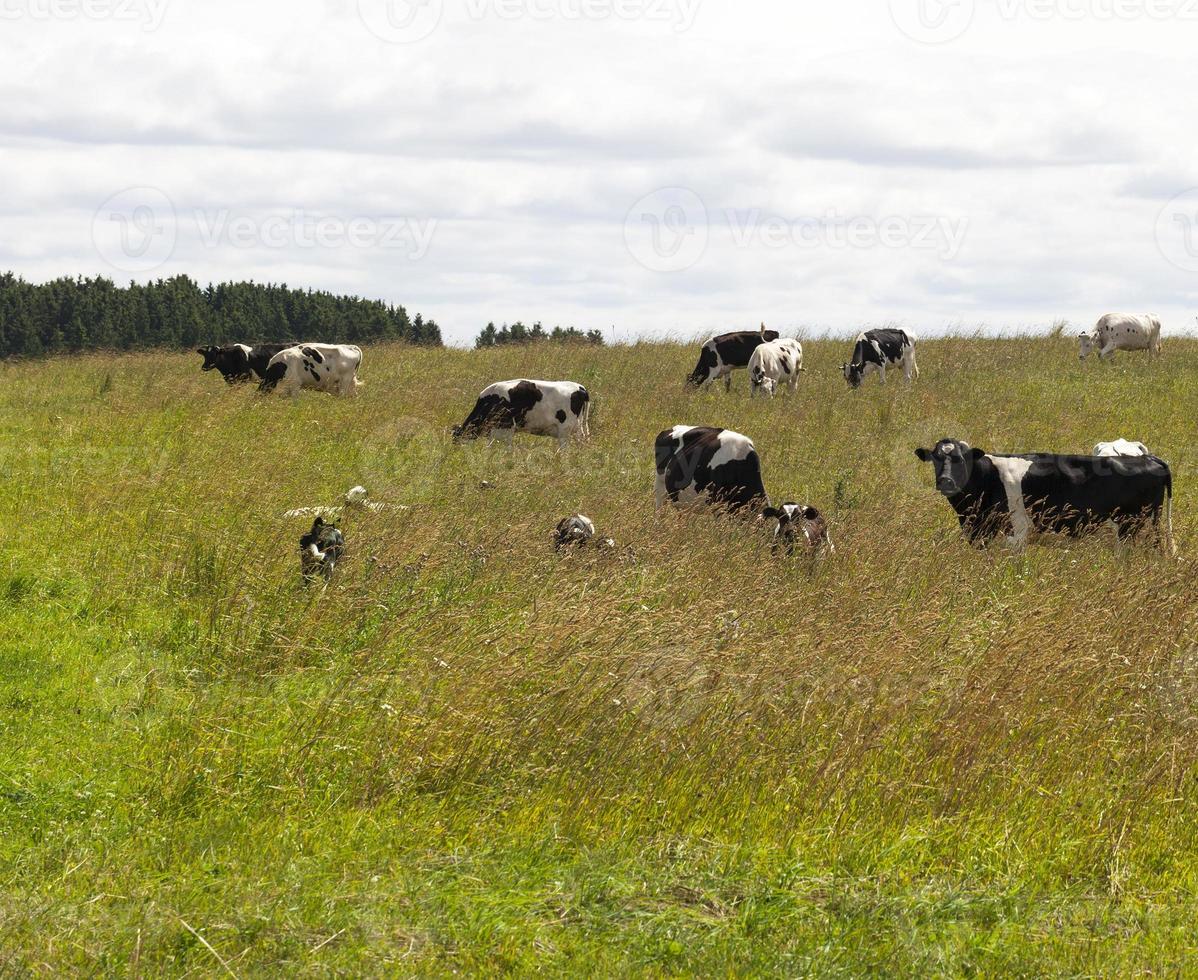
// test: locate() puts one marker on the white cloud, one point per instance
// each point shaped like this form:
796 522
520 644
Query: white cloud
521 132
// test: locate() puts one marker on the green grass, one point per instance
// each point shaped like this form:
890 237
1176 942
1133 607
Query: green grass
686 756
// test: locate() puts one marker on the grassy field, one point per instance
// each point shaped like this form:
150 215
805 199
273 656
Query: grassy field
686 756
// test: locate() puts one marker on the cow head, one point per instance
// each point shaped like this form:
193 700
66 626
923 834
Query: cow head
320 550
1086 343
854 374
954 461
481 420
705 369
797 525
232 362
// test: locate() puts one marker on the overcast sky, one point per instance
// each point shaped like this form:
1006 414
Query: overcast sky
639 166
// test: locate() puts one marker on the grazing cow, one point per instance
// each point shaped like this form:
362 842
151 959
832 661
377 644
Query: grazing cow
239 362
1121 447
714 466
320 550
540 408
721 355
802 525
774 362
994 493
878 349
356 499
1122 331
331 368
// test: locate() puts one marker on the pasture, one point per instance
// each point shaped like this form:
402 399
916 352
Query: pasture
682 756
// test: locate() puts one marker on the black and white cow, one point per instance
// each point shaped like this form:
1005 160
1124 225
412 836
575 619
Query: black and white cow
1122 331
876 350
799 525
706 465
540 408
995 494
578 531
773 363
320 550
240 362
332 368
721 355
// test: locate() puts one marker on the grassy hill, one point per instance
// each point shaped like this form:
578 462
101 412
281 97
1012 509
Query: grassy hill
686 756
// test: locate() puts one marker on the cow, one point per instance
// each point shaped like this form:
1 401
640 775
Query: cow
540 408
801 525
1122 331
774 362
578 532
332 368
240 362
995 493
875 350
320 550
721 355
356 499
706 465
1121 447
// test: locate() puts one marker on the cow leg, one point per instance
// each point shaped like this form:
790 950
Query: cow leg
728 382
1106 352
882 372
659 493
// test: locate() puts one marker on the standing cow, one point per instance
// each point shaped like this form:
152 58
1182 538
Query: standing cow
331 368
540 408
773 363
994 493
721 355
1122 331
876 350
239 362
706 465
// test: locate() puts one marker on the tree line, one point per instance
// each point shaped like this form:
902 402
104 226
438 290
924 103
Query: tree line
71 315
518 333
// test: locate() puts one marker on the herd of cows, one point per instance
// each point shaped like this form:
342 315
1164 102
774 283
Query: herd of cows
992 494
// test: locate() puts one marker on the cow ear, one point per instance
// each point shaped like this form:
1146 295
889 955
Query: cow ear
771 514
925 455
811 514
977 454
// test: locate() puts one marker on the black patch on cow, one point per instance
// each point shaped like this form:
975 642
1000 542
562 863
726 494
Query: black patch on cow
273 375
786 364
686 462
561 415
521 399
313 353
262 354
490 411
579 401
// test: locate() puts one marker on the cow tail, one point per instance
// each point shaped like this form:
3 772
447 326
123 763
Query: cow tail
586 417
1169 543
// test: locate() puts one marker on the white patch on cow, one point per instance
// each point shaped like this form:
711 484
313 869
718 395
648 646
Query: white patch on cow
733 448
1012 470
1121 447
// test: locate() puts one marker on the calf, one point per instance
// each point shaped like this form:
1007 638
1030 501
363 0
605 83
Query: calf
578 532
876 350
721 355
706 465
1121 447
540 408
1122 331
239 362
332 368
802 525
320 550
775 362
994 494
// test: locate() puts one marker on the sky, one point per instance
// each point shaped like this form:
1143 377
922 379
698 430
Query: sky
642 167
